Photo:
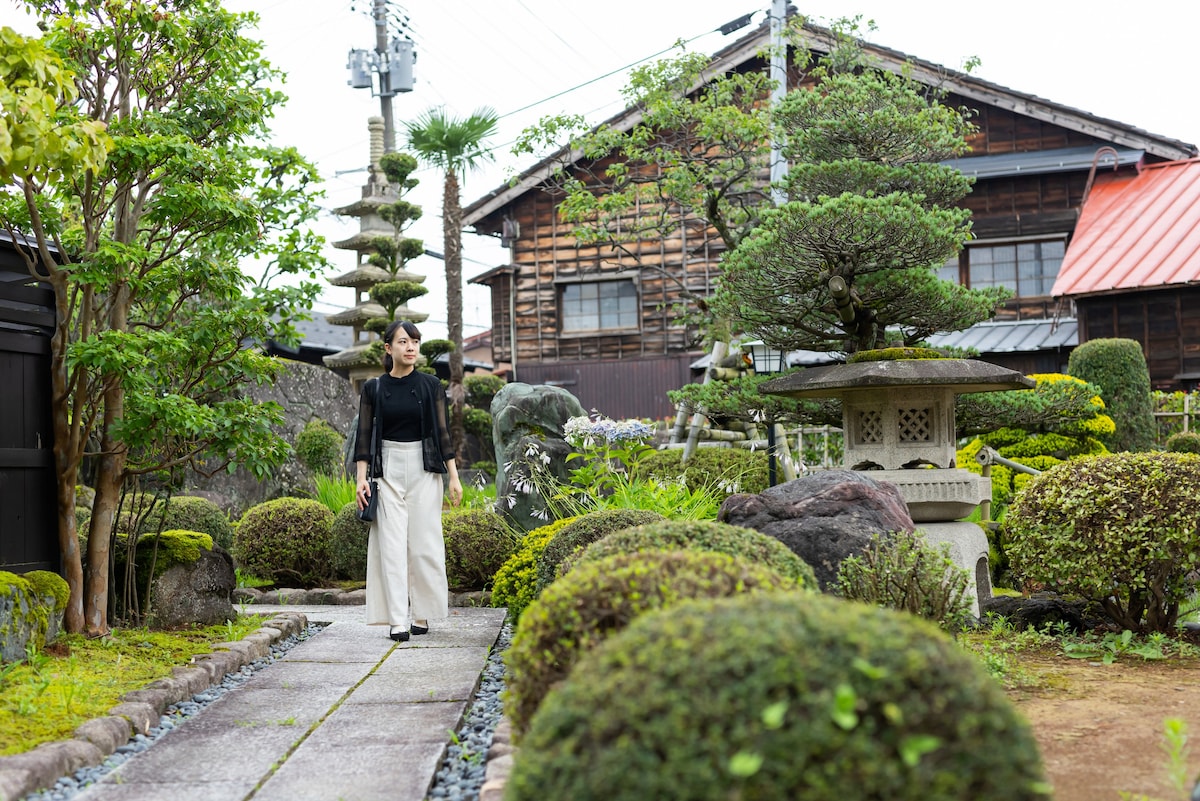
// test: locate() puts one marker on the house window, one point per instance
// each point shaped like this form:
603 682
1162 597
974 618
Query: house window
1027 268
599 305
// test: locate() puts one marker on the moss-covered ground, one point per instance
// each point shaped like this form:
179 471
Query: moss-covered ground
76 679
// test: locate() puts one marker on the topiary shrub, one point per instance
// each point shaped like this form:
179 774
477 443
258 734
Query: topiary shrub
481 389
348 544
1122 530
1184 442
191 513
515 586
478 542
1118 367
319 448
902 571
700 535
774 696
584 531
287 541
729 469
601 597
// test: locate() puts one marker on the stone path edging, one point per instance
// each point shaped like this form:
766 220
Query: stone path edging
139 711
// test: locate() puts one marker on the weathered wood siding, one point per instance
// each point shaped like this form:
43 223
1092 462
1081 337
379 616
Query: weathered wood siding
1165 321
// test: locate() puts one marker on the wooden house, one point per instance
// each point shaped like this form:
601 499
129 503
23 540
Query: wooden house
1133 268
594 322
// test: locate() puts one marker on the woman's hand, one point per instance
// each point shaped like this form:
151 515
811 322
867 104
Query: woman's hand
455 491
364 492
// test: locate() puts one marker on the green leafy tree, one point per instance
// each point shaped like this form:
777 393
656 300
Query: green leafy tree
455 146
153 307
850 261
690 166
393 253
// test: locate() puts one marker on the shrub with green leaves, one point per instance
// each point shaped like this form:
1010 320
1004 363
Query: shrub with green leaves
515 586
1122 530
478 543
348 544
902 571
773 696
481 389
287 540
319 448
1118 368
1184 442
584 531
727 469
700 535
601 597
192 513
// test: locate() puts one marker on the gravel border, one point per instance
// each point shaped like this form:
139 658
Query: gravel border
468 764
57 771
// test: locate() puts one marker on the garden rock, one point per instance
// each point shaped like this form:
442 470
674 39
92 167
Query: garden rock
528 432
25 619
195 593
823 517
1039 611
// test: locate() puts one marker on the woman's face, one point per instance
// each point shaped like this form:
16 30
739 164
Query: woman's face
404 349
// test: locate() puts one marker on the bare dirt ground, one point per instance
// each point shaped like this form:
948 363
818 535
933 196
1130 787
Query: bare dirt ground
1100 726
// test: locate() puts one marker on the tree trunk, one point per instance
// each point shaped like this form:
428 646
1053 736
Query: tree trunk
66 461
452 244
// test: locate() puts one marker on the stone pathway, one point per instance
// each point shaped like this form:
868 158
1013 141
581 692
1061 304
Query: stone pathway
347 714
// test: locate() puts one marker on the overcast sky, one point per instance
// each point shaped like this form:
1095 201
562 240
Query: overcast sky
1132 62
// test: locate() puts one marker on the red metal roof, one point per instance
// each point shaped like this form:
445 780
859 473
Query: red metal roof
1136 230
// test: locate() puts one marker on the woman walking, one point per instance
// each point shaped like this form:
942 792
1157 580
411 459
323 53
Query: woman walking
406 556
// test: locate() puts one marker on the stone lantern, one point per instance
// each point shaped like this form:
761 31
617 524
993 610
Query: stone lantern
898 422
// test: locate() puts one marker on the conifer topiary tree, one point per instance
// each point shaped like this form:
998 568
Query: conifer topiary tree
850 262
1118 368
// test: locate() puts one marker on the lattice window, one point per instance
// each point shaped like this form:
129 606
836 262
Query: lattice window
870 427
914 425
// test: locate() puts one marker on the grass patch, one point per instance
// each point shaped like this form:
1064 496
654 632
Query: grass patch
46 697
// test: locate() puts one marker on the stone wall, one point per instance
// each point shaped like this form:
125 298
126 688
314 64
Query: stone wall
306 392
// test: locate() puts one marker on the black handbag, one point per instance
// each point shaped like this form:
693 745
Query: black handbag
367 513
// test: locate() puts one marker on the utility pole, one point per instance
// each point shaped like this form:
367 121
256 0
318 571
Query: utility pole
779 76
385 78
390 65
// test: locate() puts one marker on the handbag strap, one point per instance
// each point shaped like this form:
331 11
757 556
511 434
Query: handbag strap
376 431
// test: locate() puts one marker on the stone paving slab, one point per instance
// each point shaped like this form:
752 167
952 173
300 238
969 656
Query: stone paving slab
369 772
347 714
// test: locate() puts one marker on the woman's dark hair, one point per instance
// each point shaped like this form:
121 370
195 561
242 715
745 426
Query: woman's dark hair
410 329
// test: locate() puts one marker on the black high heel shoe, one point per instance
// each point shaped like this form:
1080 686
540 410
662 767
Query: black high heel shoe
398 634
420 629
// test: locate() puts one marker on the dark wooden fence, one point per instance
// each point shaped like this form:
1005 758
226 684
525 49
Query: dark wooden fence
28 538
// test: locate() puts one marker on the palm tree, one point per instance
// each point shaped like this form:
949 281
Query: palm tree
454 146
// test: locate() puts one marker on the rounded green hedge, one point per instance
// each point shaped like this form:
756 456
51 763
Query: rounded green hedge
348 544
1184 442
287 541
601 597
319 448
582 532
478 543
515 586
778 696
1122 530
191 513
702 535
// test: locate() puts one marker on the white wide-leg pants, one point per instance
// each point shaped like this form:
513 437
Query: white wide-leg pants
406 555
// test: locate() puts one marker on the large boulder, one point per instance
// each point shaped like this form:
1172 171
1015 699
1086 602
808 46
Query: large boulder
198 592
306 392
823 517
531 454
